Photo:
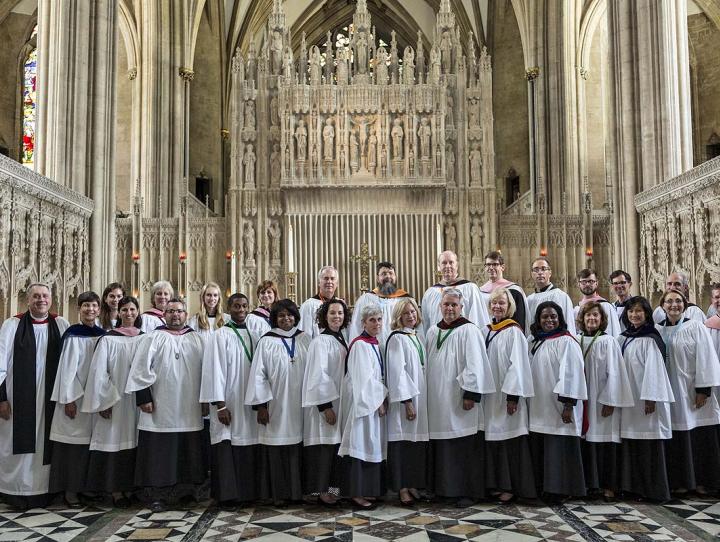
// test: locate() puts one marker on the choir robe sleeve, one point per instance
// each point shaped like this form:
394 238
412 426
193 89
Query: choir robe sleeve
617 391
707 365
476 375
355 328
477 311
319 386
400 386
613 326
142 372
518 378
214 369
101 392
259 390
655 383
368 392
72 370
571 374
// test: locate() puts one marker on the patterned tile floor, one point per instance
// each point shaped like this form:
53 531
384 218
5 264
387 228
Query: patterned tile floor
679 520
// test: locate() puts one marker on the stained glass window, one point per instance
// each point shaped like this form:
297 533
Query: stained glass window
29 106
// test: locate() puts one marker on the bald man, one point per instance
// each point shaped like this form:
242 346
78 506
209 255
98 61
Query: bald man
679 281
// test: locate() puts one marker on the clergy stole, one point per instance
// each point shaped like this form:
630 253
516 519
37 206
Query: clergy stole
25 385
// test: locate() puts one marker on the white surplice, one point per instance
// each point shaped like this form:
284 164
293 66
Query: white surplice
649 382
457 363
692 363
488 288
69 387
608 384
205 333
226 372
257 324
507 351
474 307
322 382
277 380
308 312
105 388
555 294
386 304
405 360
364 434
24 474
171 366
558 371
613 325
692 312
150 322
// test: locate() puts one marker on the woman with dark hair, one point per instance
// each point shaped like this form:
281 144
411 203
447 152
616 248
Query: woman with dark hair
111 296
111 468
556 410
693 453
321 401
644 426
258 320
275 391
608 391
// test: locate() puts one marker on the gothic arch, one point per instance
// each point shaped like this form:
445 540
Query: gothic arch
595 12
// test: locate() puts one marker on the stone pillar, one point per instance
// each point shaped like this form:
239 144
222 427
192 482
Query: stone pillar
76 113
650 122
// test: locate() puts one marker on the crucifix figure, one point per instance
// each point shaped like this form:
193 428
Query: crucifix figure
362 123
364 259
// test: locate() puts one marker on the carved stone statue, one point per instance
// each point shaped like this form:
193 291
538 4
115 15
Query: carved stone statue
372 151
450 235
276 51
301 140
424 133
274 111
328 134
446 48
450 118
438 160
475 166
476 236
354 151
249 241
274 235
315 68
474 114
287 159
275 164
361 52
381 70
450 161
314 157
411 158
342 160
250 115
249 163
408 66
434 65
288 64
383 160
397 135
341 72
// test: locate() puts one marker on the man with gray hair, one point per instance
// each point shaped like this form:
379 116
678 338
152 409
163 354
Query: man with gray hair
165 376
458 373
30 347
327 287
679 281
473 306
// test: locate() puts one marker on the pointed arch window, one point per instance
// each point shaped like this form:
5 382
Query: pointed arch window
29 105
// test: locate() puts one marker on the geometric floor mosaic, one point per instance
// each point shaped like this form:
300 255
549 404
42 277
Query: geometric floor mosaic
691 519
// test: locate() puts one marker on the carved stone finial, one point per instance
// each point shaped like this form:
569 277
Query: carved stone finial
132 73
532 73
187 74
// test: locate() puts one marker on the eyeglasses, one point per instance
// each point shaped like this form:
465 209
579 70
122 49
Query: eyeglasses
619 283
674 284
587 281
540 269
492 264
174 311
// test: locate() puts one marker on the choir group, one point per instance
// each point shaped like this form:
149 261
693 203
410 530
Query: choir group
477 392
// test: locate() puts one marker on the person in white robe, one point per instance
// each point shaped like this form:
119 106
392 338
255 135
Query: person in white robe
509 469
714 307
113 446
30 345
322 383
258 321
363 447
165 376
274 389
407 417
71 427
680 282
210 317
473 307
495 269
111 296
645 426
458 374
235 446
608 392
556 409
153 318
327 288
545 290
588 284
385 295
713 320
621 283
693 453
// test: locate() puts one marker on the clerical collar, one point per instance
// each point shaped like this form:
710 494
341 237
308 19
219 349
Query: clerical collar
398 293
81 330
454 324
38 322
277 332
456 282
547 288
183 331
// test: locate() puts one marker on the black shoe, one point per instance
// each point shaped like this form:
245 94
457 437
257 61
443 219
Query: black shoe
157 507
121 502
464 503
